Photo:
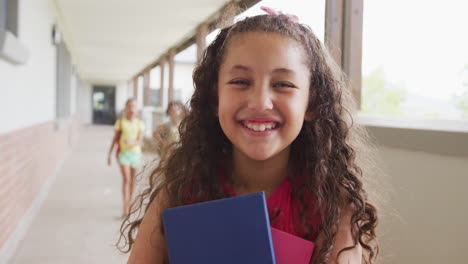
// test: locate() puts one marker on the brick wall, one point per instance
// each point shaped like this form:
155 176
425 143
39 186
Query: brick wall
28 157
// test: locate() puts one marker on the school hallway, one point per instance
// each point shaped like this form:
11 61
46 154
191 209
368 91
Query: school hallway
68 67
78 221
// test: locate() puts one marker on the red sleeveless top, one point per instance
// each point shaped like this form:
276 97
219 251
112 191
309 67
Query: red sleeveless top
284 209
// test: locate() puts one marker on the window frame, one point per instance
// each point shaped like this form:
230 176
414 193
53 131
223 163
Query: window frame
11 49
343 38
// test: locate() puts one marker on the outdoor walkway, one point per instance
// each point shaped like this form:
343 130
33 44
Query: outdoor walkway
79 220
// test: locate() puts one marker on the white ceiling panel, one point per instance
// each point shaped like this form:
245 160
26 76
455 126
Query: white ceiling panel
111 40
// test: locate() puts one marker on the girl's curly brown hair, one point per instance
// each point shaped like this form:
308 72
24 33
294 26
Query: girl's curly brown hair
325 149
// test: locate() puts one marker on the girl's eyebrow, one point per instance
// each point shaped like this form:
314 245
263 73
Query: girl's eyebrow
239 67
284 70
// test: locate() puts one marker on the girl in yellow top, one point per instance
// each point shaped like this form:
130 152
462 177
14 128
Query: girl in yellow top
128 136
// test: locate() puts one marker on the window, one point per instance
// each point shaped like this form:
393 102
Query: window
11 16
415 59
184 64
3 14
10 47
140 92
155 86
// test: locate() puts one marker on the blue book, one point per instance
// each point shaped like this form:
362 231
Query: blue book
232 230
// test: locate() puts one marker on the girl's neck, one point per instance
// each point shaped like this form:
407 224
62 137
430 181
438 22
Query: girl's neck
249 176
130 117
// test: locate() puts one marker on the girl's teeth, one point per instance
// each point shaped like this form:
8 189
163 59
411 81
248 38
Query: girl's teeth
260 127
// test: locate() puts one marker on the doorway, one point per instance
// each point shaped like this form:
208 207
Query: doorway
103 100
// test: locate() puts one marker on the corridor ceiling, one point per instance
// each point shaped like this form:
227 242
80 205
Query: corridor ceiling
111 40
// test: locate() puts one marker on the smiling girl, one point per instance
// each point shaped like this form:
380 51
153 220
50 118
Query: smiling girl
267 115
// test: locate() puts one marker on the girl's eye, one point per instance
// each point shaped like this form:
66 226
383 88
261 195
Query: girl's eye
283 85
239 82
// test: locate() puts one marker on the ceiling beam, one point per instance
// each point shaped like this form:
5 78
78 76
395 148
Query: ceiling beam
212 21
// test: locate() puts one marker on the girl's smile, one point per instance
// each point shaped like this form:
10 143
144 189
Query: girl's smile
260 126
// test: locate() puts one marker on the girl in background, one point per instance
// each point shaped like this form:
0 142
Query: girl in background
168 133
129 131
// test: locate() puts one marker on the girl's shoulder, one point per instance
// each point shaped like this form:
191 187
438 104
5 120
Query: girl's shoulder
133 122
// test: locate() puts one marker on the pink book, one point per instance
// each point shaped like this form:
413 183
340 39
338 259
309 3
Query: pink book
291 249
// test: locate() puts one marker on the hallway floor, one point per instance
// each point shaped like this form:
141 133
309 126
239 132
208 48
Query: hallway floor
79 220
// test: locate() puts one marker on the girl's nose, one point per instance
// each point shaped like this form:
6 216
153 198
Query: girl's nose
260 98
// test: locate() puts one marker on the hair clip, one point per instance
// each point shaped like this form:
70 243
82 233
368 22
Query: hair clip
273 12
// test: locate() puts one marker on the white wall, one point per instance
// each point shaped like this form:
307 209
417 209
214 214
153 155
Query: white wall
28 91
121 96
426 218
84 91
73 93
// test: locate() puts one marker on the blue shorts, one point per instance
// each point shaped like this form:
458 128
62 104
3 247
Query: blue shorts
130 158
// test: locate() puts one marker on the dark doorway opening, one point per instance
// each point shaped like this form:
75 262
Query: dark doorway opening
103 100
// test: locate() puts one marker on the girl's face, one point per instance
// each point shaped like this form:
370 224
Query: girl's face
131 109
263 92
176 111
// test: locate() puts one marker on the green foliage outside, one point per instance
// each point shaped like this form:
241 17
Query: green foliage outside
462 100
379 96
462 103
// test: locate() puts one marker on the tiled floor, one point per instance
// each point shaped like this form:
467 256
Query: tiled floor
79 220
